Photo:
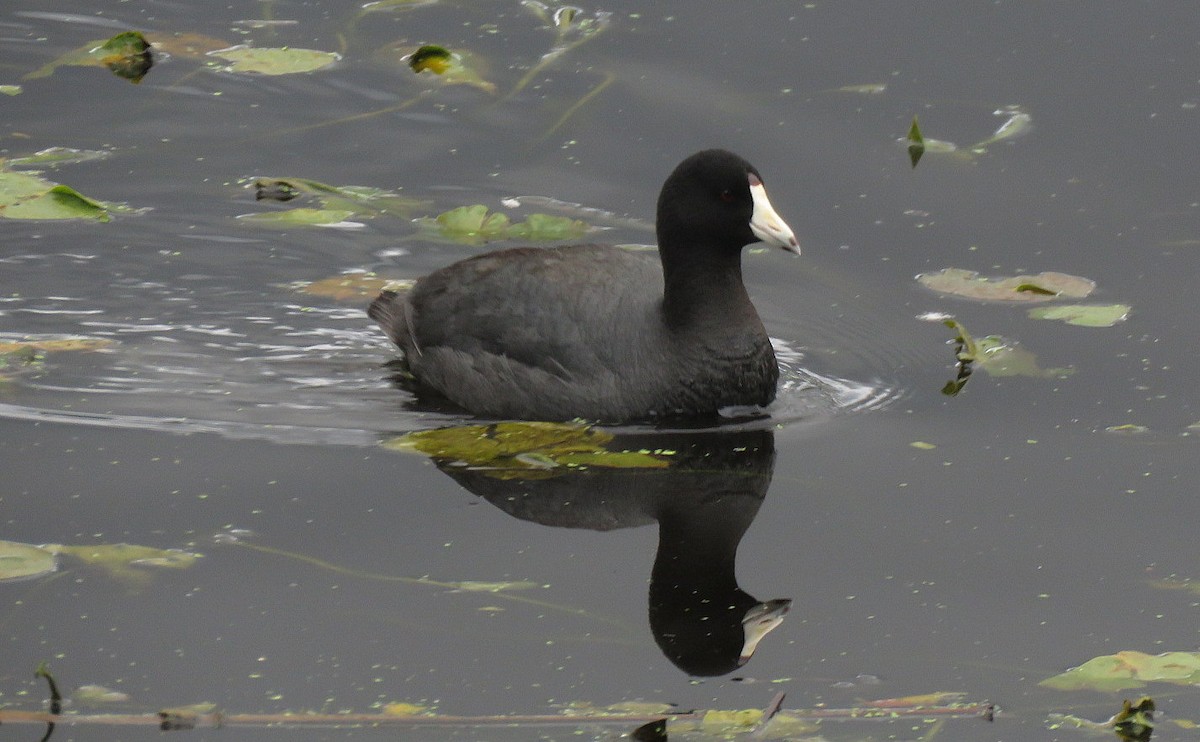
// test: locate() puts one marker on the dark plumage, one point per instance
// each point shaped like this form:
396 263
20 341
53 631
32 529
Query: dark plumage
602 333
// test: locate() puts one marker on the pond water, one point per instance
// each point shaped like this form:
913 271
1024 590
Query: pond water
976 543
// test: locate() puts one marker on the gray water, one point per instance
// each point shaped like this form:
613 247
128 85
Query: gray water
239 418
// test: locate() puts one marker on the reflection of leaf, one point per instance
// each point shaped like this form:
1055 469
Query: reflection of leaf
21 561
1016 288
1129 669
1085 315
272 61
523 450
352 286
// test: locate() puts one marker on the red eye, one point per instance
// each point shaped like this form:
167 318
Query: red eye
727 196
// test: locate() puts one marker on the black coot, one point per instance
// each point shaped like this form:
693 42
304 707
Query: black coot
598 332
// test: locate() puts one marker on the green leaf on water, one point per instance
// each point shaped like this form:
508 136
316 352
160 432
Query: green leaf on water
971 285
55 156
1001 357
525 450
59 202
23 561
10 89
1084 315
363 201
127 562
273 61
301 217
1016 123
1129 669
127 55
475 225
916 142
431 57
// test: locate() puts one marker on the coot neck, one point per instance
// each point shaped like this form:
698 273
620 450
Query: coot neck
702 285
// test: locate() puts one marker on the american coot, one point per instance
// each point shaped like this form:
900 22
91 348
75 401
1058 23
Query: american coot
591 331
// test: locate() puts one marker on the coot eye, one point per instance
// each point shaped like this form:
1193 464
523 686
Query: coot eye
727 196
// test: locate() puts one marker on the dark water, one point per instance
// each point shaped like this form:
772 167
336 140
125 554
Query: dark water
241 419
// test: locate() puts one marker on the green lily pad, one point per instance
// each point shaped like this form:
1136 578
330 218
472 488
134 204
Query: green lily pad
23 561
301 218
525 450
435 64
1042 287
54 156
273 61
10 89
1129 669
475 225
1001 357
1085 315
59 202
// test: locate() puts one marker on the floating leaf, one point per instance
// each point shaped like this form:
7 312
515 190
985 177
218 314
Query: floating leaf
301 218
96 695
363 201
54 156
439 65
1129 669
1085 315
474 225
124 561
59 202
23 561
352 286
1018 122
52 344
10 89
273 61
405 709
971 285
1001 357
186 45
524 450
916 143
548 228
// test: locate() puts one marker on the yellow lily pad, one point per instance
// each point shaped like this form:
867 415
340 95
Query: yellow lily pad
1041 287
23 561
523 450
1129 669
273 61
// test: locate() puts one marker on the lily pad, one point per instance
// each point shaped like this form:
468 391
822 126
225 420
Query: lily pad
59 202
1041 287
24 561
10 89
524 450
127 562
273 61
1129 669
302 218
1085 315
54 156
475 225
1001 357
352 286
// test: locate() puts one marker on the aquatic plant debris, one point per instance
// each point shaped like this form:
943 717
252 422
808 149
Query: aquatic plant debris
435 59
11 89
1133 723
1036 288
527 450
436 64
352 286
301 217
272 61
475 225
1129 669
55 156
1084 315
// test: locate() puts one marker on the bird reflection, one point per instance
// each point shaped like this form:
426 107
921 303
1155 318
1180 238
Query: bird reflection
704 498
